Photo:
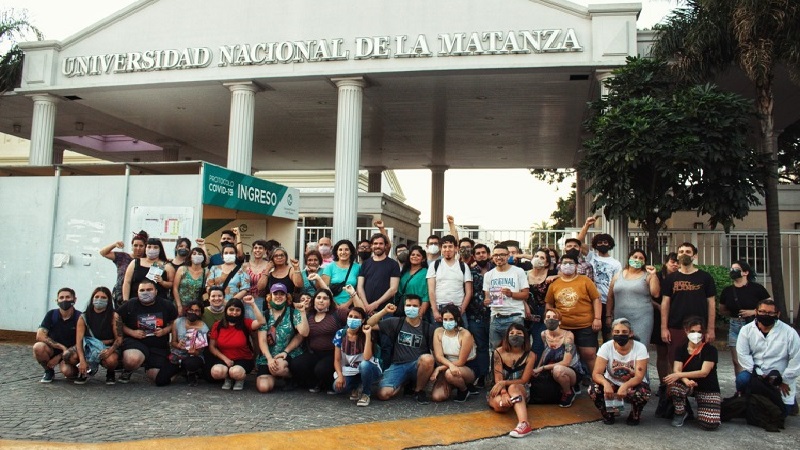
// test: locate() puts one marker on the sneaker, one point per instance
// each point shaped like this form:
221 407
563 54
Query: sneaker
355 394
48 376
631 420
228 384
480 383
363 401
409 390
315 390
330 392
111 379
192 379
472 389
677 420
522 430
238 385
422 398
566 399
576 389
461 396
81 379
609 419
125 377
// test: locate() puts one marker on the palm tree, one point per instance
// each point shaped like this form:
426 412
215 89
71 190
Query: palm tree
706 37
14 27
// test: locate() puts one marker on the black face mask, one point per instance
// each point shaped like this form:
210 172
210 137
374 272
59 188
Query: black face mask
233 320
65 306
736 274
483 263
622 339
765 320
183 251
364 255
193 317
603 248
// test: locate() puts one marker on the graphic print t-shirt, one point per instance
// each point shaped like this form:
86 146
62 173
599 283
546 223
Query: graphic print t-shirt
621 368
139 317
409 342
688 294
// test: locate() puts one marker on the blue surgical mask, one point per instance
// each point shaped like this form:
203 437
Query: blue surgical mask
412 312
100 303
147 297
353 323
449 324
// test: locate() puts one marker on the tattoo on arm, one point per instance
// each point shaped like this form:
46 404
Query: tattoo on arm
118 324
568 346
49 341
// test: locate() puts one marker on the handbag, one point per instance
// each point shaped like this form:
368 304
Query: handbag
92 348
336 288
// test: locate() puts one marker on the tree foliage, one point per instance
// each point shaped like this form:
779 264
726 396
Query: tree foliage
659 146
14 28
789 154
564 215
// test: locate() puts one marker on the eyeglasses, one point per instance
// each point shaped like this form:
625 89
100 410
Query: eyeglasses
767 313
279 255
500 255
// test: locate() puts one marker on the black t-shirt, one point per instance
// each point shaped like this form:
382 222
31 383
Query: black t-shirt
409 342
139 317
708 353
377 275
527 266
688 294
60 330
102 325
745 297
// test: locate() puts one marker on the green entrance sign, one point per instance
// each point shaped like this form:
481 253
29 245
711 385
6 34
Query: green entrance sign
234 190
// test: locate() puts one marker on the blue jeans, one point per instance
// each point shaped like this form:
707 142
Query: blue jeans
398 374
498 328
368 373
743 382
480 332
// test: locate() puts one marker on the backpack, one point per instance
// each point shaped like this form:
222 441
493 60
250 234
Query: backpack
460 264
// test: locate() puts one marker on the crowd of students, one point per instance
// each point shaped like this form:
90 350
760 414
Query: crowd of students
355 321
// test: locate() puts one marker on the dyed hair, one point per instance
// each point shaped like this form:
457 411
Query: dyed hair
526 344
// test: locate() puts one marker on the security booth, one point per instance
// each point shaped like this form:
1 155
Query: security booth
55 219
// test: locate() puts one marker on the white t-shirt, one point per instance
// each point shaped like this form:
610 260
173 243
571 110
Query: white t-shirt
605 267
621 368
513 278
449 281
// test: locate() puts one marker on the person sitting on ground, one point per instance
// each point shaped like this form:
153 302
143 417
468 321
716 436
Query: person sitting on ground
354 361
410 355
314 369
768 344
695 373
513 369
231 351
189 341
560 360
216 306
620 373
146 321
279 339
98 322
55 338
454 350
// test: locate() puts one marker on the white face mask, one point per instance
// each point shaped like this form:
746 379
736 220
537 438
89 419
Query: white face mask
433 249
229 258
198 259
695 338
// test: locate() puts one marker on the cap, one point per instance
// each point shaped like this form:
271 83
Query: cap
278 287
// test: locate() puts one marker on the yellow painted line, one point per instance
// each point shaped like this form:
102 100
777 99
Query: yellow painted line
397 434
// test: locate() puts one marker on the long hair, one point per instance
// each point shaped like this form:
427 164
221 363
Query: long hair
162 255
407 264
107 315
526 344
224 320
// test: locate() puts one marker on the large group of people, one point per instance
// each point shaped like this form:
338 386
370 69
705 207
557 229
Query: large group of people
448 319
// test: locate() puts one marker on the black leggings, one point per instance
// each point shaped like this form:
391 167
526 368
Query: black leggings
191 364
313 369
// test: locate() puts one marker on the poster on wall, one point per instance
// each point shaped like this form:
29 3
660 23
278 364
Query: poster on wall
167 223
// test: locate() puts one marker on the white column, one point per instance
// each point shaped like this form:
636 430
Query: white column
437 196
42 129
240 133
348 157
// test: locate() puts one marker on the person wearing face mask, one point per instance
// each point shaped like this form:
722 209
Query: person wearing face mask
228 237
516 257
513 369
189 340
229 275
153 266
768 344
413 281
354 362
686 293
432 247
605 268
577 299
739 301
146 321
98 322
454 350
695 373
449 281
55 338
280 339
324 248
365 250
620 374
190 280
182 250
479 314
559 366
230 351
465 246
400 253
314 368
216 306
631 292
123 259
538 282
410 356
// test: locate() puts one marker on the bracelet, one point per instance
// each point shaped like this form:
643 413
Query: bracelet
597 318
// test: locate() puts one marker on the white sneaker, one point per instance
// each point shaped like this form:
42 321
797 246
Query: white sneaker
238 385
227 384
363 401
355 394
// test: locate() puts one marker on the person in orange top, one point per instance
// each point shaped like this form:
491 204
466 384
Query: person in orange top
577 299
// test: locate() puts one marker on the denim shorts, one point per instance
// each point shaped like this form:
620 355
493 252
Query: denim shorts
398 374
733 331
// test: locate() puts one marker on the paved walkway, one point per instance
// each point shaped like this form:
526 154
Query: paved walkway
35 415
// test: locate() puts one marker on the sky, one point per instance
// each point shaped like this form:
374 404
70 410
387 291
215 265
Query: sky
463 197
